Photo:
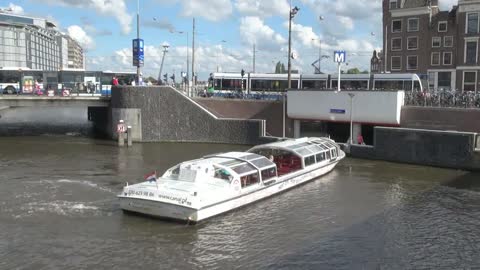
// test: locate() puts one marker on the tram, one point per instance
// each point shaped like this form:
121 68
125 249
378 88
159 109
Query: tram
253 83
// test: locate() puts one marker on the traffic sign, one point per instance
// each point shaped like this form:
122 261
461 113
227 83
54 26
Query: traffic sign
121 128
138 52
340 56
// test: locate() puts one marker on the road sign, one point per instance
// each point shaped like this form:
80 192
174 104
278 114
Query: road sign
121 128
138 52
340 56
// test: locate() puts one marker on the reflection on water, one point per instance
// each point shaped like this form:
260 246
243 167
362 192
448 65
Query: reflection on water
59 210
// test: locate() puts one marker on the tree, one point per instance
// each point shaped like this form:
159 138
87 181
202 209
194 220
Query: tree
151 79
353 71
283 70
278 67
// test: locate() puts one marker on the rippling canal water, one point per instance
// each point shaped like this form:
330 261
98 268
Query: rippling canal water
59 211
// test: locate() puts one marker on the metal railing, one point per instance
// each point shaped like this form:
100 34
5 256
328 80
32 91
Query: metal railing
445 99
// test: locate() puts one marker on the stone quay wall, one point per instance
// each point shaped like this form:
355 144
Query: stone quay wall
162 114
447 149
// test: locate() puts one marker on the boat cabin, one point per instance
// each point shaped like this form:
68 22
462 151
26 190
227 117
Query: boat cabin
240 170
294 155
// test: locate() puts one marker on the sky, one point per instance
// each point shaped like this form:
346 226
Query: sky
226 31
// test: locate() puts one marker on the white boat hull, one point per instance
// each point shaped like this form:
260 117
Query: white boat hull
157 208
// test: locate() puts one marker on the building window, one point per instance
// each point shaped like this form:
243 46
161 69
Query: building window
436 42
447 58
471 52
396 44
442 26
444 80
396 62
412 43
472 23
469 80
412 24
396 26
448 41
393 4
412 62
431 80
435 58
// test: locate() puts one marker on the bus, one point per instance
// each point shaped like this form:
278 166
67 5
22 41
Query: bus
76 82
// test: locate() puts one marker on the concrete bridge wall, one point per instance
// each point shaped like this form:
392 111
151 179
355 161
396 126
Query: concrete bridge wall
448 149
164 114
441 118
271 111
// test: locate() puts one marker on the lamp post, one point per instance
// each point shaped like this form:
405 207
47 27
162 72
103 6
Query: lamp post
188 56
292 13
165 50
351 95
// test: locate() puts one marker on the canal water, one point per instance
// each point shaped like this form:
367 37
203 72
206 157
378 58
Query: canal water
58 210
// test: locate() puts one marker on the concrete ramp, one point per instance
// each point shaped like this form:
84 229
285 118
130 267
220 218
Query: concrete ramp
162 114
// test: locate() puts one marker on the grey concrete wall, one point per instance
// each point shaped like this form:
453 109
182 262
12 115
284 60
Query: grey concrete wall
271 111
441 118
167 115
446 149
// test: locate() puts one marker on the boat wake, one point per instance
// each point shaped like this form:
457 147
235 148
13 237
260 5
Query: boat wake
62 208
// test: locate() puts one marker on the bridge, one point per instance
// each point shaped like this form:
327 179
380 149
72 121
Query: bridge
56 101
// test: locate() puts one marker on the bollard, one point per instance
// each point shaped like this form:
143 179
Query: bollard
129 136
121 139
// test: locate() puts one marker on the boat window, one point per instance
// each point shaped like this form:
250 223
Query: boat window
231 163
323 147
320 157
334 154
269 174
262 163
304 152
173 173
328 155
288 164
222 174
243 168
249 180
309 161
250 157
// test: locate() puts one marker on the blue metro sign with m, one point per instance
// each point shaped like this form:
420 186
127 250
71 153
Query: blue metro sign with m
340 56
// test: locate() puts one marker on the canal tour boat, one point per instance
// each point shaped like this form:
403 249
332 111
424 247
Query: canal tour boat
199 189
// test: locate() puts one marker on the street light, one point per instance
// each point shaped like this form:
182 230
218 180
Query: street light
165 50
292 13
351 95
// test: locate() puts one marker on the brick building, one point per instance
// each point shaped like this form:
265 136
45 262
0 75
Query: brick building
439 45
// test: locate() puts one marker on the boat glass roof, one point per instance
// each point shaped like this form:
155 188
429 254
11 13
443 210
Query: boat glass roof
302 147
242 163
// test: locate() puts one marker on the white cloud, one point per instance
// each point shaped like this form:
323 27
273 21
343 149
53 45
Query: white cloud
77 33
264 8
212 10
116 9
347 22
254 30
15 9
